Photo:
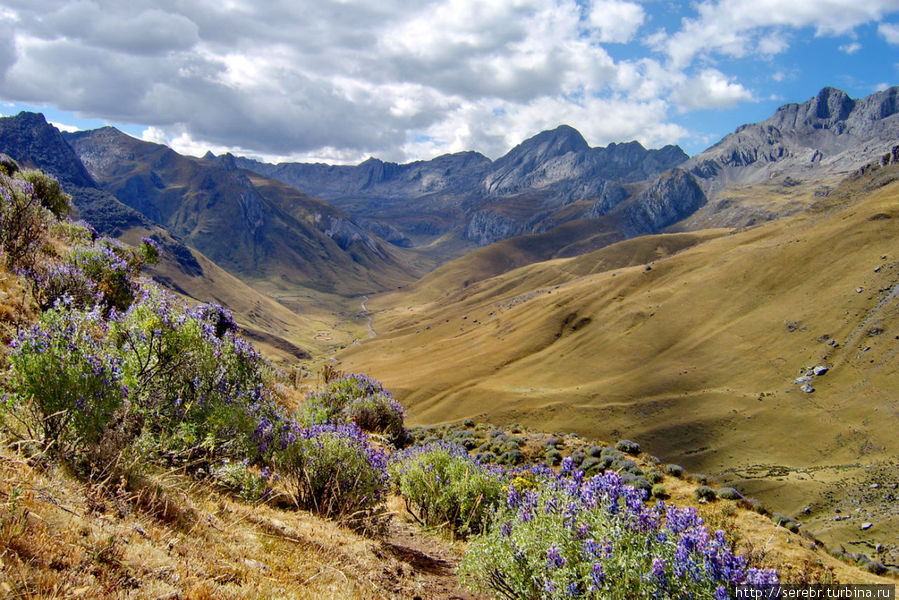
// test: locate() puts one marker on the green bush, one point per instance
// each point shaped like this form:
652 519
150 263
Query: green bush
591 465
331 470
512 457
654 476
446 488
23 222
754 504
67 382
46 188
659 491
377 413
597 539
729 493
244 481
201 388
553 457
704 492
8 165
674 470
628 447
358 399
785 522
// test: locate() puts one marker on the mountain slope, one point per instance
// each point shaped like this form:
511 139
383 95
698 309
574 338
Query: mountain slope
694 353
815 143
254 227
286 332
534 187
34 143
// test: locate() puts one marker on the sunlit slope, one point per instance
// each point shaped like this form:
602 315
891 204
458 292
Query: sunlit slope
287 329
695 357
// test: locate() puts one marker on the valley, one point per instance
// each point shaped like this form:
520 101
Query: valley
689 343
683 302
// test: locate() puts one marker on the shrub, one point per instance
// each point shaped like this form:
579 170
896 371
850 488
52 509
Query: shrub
553 456
331 470
705 493
591 465
46 188
8 165
627 465
377 413
248 484
754 504
64 282
611 455
729 493
67 381
596 538
674 470
659 491
785 522
512 457
358 399
595 451
446 487
654 476
201 387
23 221
628 447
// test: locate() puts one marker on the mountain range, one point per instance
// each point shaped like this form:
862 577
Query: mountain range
312 234
609 291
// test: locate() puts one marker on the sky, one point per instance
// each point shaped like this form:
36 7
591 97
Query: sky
401 80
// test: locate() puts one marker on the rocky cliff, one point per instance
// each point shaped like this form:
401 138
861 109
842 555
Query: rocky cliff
524 191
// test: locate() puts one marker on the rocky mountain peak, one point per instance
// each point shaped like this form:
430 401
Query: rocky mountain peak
547 144
831 103
32 141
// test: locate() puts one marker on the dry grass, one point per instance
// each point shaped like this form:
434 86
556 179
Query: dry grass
169 536
694 357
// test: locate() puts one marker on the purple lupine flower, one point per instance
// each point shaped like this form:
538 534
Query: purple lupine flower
513 498
554 558
761 577
597 576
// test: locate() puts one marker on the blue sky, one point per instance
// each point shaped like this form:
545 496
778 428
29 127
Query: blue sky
344 80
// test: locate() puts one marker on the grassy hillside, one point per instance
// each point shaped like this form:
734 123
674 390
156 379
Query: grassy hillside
693 353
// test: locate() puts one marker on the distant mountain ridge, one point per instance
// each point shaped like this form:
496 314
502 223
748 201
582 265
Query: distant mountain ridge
254 227
556 177
825 137
477 198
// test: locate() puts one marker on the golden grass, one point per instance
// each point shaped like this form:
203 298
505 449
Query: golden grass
694 356
173 537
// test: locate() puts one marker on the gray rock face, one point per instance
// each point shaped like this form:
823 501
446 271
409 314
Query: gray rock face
672 197
521 192
830 134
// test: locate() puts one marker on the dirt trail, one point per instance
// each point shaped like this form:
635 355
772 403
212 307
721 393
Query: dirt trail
368 318
432 561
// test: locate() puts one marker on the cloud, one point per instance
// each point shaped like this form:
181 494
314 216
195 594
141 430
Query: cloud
850 48
710 89
737 28
616 21
341 81
890 32
66 128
